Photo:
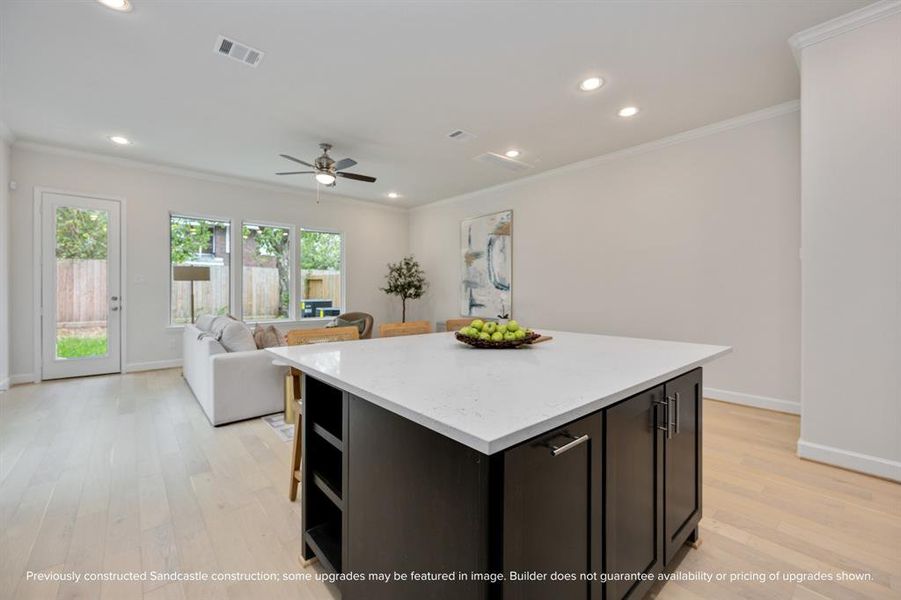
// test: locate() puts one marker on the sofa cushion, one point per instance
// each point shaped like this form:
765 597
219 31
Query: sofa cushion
267 337
203 322
236 337
219 324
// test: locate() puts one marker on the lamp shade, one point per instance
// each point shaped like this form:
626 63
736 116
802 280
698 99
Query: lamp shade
190 273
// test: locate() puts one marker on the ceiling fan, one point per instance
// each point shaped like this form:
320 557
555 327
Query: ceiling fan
326 169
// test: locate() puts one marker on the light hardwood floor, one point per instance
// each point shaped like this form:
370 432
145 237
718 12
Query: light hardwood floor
124 473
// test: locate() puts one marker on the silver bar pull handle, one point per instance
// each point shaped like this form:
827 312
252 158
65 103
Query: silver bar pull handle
576 441
676 416
665 405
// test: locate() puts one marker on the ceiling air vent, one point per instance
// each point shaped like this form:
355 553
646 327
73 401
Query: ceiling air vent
238 51
497 160
460 136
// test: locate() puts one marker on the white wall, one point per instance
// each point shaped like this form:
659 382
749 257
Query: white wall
694 241
851 232
4 260
373 236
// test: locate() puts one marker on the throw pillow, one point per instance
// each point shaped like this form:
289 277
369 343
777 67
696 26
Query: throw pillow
236 337
267 337
360 324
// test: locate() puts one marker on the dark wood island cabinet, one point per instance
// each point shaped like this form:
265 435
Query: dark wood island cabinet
614 491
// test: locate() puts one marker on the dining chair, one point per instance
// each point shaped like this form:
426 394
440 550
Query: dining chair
411 328
456 324
293 401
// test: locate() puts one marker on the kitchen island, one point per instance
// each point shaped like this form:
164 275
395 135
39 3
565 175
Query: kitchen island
435 470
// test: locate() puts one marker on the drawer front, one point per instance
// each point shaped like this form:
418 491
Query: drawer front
551 511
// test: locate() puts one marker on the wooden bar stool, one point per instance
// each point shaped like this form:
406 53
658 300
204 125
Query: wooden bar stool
411 328
293 401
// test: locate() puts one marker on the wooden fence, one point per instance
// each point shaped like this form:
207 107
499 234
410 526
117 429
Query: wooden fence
321 285
261 297
82 299
210 297
81 292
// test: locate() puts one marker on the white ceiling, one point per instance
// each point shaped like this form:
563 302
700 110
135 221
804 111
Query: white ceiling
385 82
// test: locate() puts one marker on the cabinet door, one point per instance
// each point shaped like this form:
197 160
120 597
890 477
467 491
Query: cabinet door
551 511
633 488
682 471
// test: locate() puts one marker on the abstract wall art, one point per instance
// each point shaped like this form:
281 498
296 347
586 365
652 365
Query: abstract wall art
486 245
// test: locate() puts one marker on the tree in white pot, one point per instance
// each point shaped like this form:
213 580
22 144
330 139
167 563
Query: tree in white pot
407 280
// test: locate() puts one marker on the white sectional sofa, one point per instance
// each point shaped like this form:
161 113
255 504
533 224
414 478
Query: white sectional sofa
231 386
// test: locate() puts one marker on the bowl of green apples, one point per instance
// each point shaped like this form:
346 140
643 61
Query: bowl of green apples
488 334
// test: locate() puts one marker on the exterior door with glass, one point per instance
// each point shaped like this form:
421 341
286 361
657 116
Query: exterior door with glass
81 301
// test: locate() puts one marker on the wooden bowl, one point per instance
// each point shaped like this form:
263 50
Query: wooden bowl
530 338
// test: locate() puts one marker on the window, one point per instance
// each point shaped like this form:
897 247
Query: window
199 253
321 286
266 272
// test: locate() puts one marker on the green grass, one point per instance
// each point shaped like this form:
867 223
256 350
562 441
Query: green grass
80 347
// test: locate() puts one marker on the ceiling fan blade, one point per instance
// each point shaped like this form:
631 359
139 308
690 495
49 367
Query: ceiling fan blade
356 176
297 160
296 173
345 163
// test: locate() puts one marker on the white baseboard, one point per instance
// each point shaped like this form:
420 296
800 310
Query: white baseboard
152 365
786 406
848 459
4 384
21 378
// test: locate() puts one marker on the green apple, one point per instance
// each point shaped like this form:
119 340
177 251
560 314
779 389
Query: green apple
484 336
509 336
497 336
477 324
489 327
512 326
502 328
473 333
463 331
519 334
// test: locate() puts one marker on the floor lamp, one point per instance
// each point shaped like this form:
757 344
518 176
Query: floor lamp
192 274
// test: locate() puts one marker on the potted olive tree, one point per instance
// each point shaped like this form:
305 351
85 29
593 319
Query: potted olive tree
407 280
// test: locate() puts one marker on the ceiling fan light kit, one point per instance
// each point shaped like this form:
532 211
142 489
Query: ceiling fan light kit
327 170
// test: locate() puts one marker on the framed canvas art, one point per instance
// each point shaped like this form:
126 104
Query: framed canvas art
486 248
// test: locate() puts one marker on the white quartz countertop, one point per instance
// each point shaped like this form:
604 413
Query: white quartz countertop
490 400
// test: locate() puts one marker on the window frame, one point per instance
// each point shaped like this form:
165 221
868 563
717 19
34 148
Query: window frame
301 230
293 269
231 262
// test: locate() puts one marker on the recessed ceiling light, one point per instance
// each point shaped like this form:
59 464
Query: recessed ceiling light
393 195
118 139
511 153
591 84
120 5
628 111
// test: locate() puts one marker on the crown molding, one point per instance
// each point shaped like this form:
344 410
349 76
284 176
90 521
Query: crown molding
6 133
197 174
841 25
679 138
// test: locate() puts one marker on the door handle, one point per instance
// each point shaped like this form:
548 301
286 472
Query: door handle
672 420
114 308
576 441
114 298
666 417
